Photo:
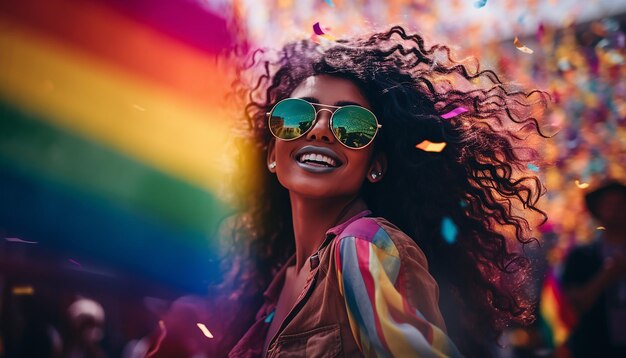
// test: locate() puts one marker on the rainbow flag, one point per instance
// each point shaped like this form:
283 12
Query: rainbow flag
557 315
112 131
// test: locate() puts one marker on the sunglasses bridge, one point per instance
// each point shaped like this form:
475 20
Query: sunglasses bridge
330 122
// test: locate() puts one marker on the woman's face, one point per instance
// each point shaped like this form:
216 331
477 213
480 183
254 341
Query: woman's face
298 165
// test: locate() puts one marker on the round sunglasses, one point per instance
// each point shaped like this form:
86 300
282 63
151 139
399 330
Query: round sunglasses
354 126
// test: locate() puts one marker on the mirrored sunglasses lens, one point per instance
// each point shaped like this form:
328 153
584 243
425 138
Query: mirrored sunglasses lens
354 126
291 119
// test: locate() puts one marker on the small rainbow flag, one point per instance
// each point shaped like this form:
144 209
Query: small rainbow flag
112 129
556 313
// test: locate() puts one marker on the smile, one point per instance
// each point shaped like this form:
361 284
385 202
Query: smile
317 159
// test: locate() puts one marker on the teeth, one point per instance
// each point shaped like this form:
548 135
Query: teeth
320 158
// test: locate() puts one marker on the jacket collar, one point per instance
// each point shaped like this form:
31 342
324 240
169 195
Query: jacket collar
273 291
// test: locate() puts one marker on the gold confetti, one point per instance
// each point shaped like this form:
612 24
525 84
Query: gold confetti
600 228
23 290
581 184
205 330
521 46
429 146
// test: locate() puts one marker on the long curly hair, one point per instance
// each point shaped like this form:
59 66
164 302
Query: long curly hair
478 181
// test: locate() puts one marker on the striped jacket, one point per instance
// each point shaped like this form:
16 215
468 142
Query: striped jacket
368 294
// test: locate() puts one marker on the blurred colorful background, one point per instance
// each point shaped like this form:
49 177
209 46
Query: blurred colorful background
114 130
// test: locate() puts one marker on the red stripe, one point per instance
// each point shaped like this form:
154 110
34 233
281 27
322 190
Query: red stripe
423 326
566 312
363 257
109 36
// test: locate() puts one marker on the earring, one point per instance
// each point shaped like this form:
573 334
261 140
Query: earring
375 175
272 165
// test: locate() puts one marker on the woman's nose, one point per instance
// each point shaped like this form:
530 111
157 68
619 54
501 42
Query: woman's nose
321 128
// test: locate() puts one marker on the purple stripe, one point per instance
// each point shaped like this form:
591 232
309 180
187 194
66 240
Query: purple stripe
365 229
185 20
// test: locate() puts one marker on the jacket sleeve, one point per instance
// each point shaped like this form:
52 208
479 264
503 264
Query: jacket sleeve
382 320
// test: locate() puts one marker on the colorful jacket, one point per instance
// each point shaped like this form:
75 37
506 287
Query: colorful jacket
369 293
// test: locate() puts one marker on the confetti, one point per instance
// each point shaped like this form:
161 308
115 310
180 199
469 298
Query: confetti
15 239
448 230
317 29
330 3
600 228
139 108
204 330
533 167
269 317
521 47
23 290
75 262
453 113
581 184
480 3
463 203
319 33
429 146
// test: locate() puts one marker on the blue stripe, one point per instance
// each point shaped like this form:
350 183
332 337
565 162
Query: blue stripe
92 229
356 293
391 264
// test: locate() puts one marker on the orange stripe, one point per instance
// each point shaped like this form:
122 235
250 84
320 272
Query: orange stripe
109 36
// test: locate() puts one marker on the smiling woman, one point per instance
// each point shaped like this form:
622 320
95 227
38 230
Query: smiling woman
338 250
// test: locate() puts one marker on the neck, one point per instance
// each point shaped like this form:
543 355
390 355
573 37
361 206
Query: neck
312 217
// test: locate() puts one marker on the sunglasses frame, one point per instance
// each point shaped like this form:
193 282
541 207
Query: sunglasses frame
330 122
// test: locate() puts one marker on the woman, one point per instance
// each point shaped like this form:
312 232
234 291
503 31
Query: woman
353 236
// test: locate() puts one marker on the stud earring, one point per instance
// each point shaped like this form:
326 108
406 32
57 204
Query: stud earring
375 175
272 165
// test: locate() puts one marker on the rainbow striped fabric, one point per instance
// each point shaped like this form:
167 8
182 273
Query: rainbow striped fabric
557 315
112 130
373 284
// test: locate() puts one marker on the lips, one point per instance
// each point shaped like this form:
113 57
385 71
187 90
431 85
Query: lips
317 159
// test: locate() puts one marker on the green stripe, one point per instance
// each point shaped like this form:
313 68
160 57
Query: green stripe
63 156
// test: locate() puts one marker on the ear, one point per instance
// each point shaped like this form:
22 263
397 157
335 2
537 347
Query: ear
378 168
271 156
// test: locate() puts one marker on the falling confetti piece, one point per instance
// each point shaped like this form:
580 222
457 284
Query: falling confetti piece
23 290
521 47
317 29
75 262
139 108
453 113
429 146
541 30
480 3
330 3
581 184
600 228
463 204
448 230
205 330
533 167
269 317
15 239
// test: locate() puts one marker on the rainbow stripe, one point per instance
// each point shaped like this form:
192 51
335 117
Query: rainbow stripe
556 313
381 318
113 125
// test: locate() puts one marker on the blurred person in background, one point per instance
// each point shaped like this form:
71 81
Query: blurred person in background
86 322
594 278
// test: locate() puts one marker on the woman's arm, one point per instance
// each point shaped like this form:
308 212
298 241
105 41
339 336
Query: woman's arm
381 318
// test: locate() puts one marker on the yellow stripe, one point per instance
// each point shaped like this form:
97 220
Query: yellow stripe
549 310
106 105
386 294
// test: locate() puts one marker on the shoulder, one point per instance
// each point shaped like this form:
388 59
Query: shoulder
382 235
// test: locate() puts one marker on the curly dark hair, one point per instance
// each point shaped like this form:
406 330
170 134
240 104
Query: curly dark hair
477 181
